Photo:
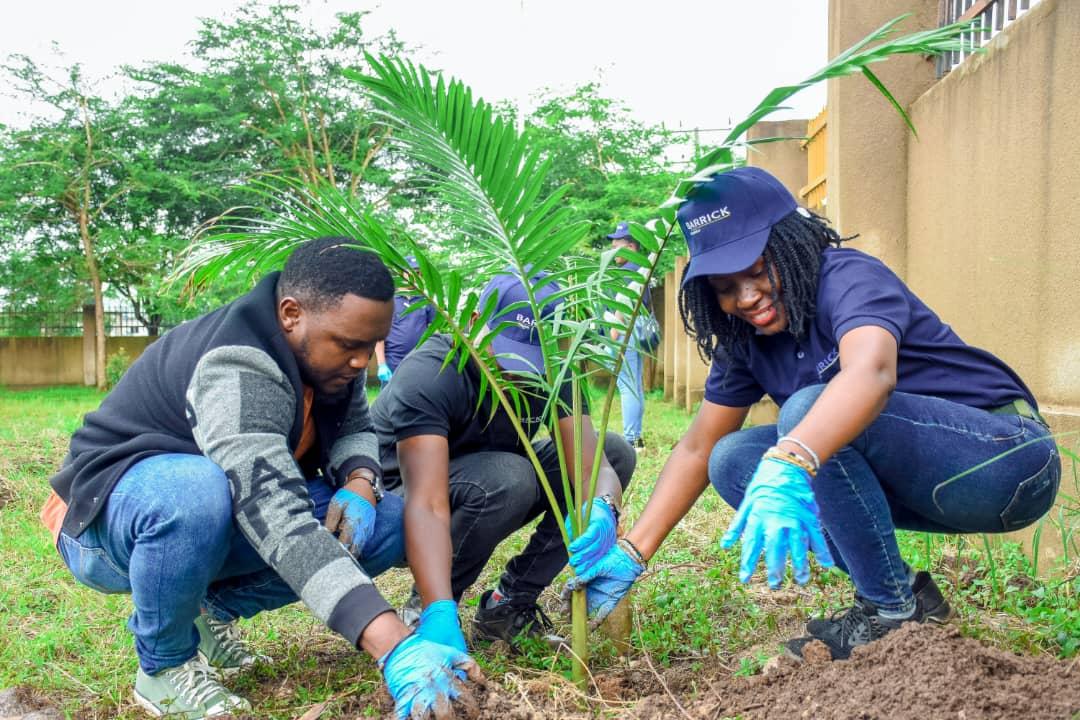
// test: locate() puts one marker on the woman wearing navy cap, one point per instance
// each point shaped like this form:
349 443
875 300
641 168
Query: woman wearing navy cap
887 418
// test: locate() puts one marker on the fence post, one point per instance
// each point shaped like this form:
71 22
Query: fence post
89 355
681 341
672 332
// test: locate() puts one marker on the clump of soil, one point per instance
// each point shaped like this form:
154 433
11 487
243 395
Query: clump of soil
916 672
20 703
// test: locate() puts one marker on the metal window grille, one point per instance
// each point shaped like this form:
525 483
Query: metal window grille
990 16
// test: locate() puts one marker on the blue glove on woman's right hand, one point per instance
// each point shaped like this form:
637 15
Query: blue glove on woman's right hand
424 677
778 513
605 583
439 623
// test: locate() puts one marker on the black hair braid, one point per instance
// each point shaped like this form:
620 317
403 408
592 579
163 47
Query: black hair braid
793 251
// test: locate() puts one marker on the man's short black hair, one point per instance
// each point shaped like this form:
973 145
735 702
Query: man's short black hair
321 272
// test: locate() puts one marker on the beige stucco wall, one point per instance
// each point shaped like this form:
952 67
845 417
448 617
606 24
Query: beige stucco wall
37 362
866 170
786 159
994 200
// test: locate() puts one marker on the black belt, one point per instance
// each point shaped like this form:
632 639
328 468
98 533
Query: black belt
1022 408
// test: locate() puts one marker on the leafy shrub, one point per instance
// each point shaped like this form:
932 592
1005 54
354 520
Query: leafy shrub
116 366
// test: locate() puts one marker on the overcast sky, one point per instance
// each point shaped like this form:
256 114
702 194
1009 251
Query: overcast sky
700 63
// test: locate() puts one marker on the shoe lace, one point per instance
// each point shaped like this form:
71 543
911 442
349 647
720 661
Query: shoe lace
195 682
531 614
228 636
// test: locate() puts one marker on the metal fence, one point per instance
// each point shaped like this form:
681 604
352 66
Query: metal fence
990 16
118 323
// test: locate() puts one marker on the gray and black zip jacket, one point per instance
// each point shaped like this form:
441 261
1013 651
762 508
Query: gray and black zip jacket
227 386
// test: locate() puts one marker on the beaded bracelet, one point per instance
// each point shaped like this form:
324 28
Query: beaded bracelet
791 459
630 549
814 460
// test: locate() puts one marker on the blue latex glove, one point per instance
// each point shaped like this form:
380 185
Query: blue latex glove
605 583
385 373
352 518
424 677
599 537
778 513
439 623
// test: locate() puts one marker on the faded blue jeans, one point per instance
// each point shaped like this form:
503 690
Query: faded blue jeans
631 394
168 537
901 473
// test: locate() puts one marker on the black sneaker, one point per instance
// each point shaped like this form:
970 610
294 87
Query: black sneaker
509 621
861 624
638 445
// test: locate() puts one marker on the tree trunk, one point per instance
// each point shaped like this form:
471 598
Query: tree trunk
99 300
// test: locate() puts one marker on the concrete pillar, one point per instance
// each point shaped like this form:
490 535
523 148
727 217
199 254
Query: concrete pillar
673 333
679 350
88 345
868 140
696 373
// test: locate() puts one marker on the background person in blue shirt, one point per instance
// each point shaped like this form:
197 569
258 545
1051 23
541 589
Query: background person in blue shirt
886 417
631 386
405 332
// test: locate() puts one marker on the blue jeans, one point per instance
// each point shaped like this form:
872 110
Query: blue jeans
631 394
167 536
901 473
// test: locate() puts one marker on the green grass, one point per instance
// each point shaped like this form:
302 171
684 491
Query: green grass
70 642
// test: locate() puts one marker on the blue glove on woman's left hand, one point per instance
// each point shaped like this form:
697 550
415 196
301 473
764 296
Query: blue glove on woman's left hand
439 623
352 518
778 513
599 537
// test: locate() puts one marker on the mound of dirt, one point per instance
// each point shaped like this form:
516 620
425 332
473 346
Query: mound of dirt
917 672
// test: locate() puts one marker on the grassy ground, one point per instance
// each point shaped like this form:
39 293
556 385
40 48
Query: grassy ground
70 643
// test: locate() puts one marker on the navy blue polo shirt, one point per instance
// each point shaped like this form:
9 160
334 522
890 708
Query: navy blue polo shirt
407 330
854 290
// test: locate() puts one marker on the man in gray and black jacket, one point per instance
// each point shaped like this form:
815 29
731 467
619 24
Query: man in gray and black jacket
212 481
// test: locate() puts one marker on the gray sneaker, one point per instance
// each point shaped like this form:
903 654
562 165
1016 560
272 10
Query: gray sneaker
190 691
221 648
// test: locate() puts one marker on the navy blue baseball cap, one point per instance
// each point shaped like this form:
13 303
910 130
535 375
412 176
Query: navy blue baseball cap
727 220
520 337
622 232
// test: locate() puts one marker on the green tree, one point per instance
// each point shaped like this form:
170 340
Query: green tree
63 176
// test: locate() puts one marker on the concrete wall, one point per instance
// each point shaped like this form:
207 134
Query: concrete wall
867 169
786 160
979 214
33 361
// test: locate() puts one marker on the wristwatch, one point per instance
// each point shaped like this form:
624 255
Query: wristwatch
369 475
608 500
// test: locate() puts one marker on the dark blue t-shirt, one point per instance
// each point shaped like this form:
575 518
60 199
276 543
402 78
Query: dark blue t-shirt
407 329
856 289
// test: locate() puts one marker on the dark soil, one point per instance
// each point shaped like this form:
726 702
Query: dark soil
917 672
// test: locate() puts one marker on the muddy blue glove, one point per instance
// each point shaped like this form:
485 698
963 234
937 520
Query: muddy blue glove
424 677
439 623
352 518
385 373
605 583
599 537
778 513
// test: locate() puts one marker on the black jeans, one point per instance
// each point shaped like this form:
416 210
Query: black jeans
494 494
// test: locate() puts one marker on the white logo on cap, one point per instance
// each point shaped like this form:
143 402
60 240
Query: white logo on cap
526 322
699 223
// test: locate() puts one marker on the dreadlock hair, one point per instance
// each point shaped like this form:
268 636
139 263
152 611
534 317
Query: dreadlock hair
321 272
793 250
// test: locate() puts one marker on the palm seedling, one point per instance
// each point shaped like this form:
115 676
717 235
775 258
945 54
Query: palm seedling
489 183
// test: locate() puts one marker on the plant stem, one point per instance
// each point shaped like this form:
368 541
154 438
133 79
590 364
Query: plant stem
579 641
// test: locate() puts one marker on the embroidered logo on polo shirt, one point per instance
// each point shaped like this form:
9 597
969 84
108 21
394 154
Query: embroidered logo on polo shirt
696 225
828 362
